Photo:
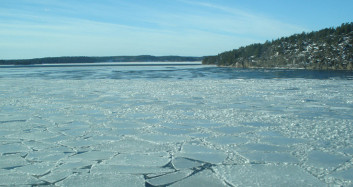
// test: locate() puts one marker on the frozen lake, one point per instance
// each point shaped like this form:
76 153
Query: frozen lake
175 126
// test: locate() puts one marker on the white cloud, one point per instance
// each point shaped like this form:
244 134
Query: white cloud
237 21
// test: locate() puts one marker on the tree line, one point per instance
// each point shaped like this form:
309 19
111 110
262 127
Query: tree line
329 48
85 59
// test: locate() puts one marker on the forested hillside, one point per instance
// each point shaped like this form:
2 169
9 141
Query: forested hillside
84 59
329 48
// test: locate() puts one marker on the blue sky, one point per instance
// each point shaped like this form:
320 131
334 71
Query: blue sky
44 28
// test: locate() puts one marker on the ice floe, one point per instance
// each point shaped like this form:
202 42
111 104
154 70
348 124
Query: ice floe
169 132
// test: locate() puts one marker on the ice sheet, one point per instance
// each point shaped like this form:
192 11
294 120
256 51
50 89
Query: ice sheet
129 169
326 160
184 163
221 132
19 179
169 178
346 174
203 178
267 175
137 159
95 180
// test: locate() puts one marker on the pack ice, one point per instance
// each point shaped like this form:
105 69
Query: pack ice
240 132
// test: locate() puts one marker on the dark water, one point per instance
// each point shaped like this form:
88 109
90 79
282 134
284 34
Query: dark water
164 72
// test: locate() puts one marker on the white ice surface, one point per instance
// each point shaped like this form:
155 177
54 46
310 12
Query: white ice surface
93 180
267 175
274 132
169 178
203 178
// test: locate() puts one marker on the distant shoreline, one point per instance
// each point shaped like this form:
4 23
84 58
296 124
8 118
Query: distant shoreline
102 64
104 59
281 68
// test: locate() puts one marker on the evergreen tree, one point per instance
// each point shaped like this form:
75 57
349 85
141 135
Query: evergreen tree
322 49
